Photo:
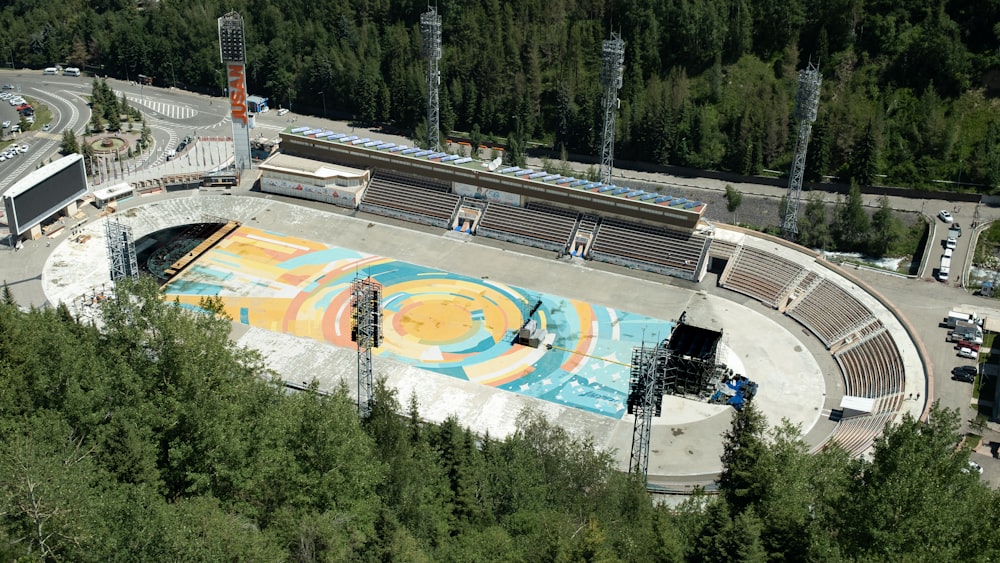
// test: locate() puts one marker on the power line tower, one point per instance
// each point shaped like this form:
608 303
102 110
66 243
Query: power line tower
645 400
806 106
612 69
366 331
121 250
430 48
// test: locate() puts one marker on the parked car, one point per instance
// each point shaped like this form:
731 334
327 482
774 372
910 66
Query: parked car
8 86
46 127
6 124
947 253
966 353
282 111
945 216
951 243
967 344
965 374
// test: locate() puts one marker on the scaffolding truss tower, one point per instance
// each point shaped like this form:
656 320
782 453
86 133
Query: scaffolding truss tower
612 70
366 331
806 108
645 400
121 250
430 35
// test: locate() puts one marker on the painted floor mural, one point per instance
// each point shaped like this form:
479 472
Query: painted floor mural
438 321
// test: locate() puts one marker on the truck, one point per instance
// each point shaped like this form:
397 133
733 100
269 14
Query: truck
966 331
944 269
955 317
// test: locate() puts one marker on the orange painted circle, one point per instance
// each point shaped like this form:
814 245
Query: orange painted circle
436 321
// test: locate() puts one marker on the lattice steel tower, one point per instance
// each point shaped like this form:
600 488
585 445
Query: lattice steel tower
645 400
366 331
612 69
121 250
430 48
806 106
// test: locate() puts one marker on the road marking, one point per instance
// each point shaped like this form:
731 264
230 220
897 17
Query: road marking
165 109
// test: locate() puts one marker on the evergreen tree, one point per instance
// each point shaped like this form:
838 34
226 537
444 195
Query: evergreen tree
69 143
864 158
885 230
851 229
744 448
734 198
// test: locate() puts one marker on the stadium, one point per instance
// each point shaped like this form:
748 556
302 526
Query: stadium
465 250
617 311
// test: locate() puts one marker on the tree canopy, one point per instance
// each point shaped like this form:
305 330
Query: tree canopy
708 83
154 438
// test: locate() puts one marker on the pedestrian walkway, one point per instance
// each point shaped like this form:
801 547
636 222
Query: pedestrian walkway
161 109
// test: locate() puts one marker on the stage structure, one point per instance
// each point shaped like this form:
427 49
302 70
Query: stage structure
232 46
430 48
121 250
645 400
366 331
806 107
612 69
693 369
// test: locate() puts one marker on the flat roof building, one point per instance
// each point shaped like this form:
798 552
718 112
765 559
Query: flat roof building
312 179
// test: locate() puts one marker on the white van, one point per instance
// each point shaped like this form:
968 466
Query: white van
51 71
71 71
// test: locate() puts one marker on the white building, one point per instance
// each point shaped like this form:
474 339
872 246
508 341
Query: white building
311 179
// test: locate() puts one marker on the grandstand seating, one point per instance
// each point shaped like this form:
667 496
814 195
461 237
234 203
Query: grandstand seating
857 434
873 368
410 199
759 274
830 312
531 227
669 252
426 183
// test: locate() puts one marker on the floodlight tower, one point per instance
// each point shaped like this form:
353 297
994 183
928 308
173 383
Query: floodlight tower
806 107
121 250
366 331
430 48
645 400
232 46
612 69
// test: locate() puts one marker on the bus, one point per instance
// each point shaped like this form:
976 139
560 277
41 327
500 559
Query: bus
71 71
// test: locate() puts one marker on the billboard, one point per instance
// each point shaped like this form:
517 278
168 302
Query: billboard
44 192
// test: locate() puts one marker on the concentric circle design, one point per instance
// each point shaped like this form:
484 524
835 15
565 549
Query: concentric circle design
451 324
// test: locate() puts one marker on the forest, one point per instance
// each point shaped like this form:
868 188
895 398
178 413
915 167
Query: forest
150 436
908 95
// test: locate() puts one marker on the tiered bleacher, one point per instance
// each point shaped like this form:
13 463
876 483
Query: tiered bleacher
830 312
654 249
858 433
873 368
410 199
870 360
530 227
764 276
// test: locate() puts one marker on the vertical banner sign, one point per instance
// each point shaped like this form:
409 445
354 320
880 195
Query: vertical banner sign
232 47
238 112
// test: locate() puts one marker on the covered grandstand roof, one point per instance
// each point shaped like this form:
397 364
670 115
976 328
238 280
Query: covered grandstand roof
577 193
308 167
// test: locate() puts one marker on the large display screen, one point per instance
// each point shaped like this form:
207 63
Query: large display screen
33 205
